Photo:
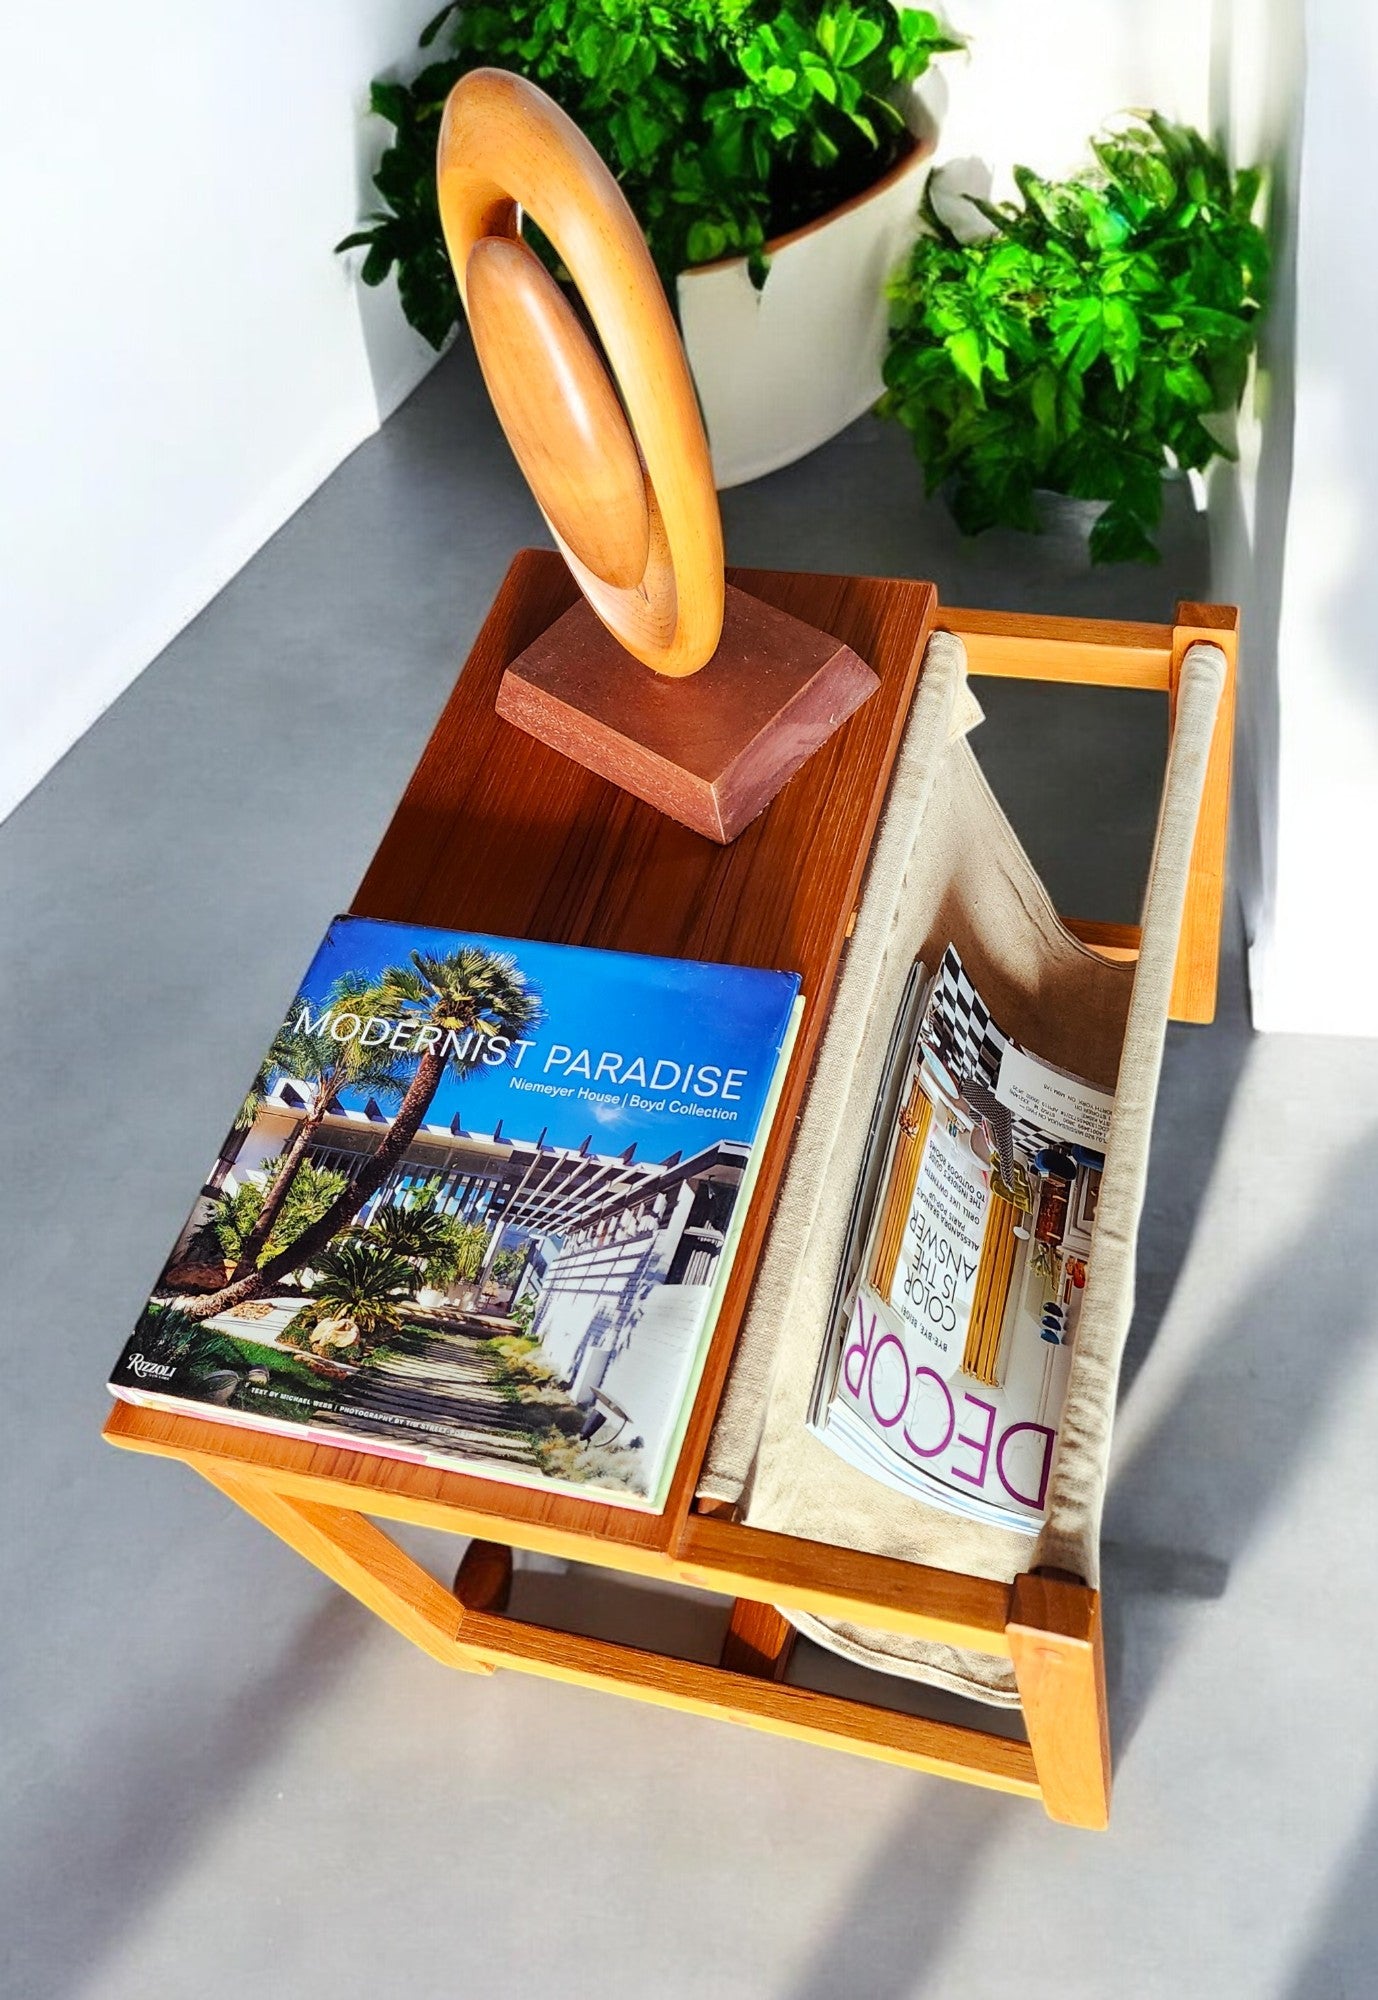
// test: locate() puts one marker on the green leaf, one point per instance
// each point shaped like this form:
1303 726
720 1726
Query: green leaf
376 265
864 37
391 101
965 349
1189 386
429 297
1246 192
1043 401
436 23
820 76
1117 537
646 132
705 241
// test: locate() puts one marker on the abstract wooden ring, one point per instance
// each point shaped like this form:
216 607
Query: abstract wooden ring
621 473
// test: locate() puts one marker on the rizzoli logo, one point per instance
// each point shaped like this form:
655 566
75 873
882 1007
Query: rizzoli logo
142 1366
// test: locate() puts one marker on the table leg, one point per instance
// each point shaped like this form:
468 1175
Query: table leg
1054 1636
352 1552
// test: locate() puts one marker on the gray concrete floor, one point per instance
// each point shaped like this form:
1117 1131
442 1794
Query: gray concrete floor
222 1778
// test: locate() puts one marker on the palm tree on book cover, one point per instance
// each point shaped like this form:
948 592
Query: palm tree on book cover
363 1283
285 1053
310 1054
474 997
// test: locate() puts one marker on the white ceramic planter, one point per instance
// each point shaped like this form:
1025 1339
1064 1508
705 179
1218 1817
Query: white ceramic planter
781 370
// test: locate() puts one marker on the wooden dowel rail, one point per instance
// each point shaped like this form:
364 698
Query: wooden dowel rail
1198 951
1097 652
908 1597
1117 941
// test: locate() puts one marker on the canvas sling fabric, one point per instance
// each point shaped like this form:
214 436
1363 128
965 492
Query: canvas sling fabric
946 868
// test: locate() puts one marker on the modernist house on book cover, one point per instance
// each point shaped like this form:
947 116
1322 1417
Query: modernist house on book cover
478 1208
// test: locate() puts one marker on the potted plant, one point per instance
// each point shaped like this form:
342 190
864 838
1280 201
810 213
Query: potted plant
774 152
1094 336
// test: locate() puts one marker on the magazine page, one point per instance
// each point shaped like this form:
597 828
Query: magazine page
949 1375
478 1208
875 1160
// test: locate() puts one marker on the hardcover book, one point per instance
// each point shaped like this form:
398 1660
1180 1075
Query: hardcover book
962 1280
478 1209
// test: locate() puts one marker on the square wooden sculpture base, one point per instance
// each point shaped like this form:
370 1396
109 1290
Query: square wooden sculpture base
711 749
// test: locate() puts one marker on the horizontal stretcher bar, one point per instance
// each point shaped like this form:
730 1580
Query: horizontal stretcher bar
944 1749
1097 652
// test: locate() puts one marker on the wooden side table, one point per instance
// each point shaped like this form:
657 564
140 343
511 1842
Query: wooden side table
498 833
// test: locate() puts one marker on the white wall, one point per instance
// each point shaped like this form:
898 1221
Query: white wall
1040 79
1297 542
182 359
1258 73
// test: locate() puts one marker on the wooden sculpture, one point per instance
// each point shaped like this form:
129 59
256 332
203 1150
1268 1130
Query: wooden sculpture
690 694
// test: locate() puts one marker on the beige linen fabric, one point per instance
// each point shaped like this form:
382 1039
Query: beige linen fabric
946 868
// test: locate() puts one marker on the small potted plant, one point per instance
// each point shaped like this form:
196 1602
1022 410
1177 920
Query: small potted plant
774 152
1092 337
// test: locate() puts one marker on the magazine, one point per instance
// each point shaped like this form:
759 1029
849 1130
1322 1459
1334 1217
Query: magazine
965 1264
478 1209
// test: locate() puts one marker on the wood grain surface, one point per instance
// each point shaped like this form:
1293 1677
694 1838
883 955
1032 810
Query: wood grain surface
710 749
506 151
1059 1663
832 1721
757 1641
559 410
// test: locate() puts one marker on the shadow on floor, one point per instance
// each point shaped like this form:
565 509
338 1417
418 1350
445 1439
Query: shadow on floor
1239 1425
1202 1067
132 1810
1344 1947
888 1944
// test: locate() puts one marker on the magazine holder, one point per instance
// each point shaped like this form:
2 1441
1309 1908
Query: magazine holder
885 837
947 868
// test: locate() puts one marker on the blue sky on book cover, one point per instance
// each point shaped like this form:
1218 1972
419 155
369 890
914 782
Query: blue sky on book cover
676 1013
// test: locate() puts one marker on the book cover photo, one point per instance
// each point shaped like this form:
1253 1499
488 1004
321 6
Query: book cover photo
478 1208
